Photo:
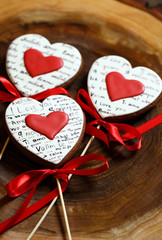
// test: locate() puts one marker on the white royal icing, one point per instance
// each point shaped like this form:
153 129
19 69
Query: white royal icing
18 74
50 150
98 90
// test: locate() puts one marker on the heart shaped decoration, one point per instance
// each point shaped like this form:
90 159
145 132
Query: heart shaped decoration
118 87
36 64
108 98
63 119
30 82
48 126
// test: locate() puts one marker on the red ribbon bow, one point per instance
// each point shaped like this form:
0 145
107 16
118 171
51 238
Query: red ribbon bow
114 128
28 181
14 94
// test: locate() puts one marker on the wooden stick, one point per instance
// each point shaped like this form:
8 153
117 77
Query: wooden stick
64 209
55 199
4 148
42 218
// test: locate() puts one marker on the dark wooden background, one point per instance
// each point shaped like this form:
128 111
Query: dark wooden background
124 202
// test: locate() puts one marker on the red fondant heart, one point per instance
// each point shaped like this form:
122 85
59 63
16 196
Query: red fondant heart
119 87
36 64
49 126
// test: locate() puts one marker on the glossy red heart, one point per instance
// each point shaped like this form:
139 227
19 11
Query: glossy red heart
50 125
119 87
37 64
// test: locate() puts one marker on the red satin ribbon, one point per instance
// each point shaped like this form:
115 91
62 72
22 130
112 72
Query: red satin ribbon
14 94
114 129
28 181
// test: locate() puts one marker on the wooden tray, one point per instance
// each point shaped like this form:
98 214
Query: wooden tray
123 203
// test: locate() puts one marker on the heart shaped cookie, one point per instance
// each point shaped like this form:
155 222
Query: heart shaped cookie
48 132
34 65
120 92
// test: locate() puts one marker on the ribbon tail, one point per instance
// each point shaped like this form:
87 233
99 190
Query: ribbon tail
32 209
150 124
145 127
22 183
11 221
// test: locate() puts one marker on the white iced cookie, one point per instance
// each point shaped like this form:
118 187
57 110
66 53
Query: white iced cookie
34 65
119 91
48 132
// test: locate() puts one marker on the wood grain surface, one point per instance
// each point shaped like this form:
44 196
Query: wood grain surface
154 7
124 202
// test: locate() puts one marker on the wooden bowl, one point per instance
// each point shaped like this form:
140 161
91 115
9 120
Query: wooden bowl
124 202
